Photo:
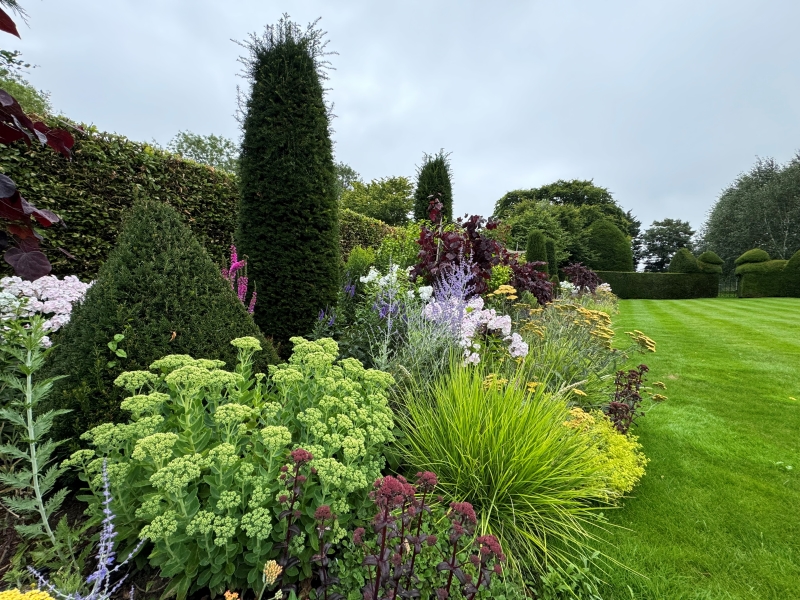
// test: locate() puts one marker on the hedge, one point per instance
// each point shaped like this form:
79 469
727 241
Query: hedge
661 286
768 278
92 191
683 262
359 230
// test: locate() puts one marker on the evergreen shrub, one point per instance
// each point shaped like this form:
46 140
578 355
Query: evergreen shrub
552 263
92 191
360 230
661 286
611 247
434 177
710 262
756 255
536 250
288 210
683 262
161 290
770 278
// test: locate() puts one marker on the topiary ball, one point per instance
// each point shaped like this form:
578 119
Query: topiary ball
756 255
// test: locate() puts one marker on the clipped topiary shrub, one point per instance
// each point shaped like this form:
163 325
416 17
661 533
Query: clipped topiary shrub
769 266
288 211
536 250
661 286
710 262
359 230
552 263
611 247
434 177
161 290
756 255
683 262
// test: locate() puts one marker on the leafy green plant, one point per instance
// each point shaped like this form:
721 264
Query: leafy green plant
504 448
388 199
575 581
201 469
34 481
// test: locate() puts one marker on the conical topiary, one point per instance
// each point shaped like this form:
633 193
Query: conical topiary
610 246
683 262
552 263
434 177
161 290
536 250
288 211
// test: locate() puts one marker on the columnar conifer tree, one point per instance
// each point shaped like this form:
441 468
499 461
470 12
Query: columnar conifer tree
536 250
434 177
288 219
552 263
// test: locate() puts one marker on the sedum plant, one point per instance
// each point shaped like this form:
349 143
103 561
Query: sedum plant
201 468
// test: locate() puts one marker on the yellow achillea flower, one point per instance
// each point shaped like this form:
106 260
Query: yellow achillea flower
578 392
532 385
658 397
16 594
272 571
642 340
229 595
660 384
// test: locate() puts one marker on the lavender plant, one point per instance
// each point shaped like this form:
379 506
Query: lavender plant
100 583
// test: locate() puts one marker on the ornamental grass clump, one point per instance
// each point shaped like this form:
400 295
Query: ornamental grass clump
504 449
202 469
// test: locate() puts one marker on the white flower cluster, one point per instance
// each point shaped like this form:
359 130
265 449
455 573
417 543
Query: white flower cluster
425 293
568 289
388 280
604 287
48 296
476 320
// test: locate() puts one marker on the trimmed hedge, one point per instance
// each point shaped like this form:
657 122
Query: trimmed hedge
359 230
107 173
683 262
661 286
710 262
611 247
162 291
767 278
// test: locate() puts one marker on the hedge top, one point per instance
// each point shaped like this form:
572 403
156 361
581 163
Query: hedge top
756 255
710 258
683 262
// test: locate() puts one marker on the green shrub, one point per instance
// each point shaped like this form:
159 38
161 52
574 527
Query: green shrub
359 230
197 470
769 266
501 275
92 191
793 265
162 291
434 177
552 263
683 262
791 274
288 211
507 452
358 263
756 255
399 247
611 247
661 286
709 262
536 249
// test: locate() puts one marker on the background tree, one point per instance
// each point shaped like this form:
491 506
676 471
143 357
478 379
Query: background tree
389 199
288 214
12 80
761 209
434 177
345 177
662 240
212 150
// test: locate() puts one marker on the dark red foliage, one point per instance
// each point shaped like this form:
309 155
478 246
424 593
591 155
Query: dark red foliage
624 409
527 277
19 216
582 277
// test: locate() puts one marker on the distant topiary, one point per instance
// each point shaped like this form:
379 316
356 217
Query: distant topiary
552 263
709 262
756 255
536 250
288 211
434 177
683 262
794 263
611 247
161 290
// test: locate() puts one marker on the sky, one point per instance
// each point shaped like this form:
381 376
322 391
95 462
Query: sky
662 102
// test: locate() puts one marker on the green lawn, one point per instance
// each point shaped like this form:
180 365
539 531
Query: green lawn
718 513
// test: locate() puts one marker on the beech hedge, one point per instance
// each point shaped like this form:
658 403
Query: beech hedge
661 286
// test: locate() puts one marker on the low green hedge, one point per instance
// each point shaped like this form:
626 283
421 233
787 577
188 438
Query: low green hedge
661 286
770 278
359 230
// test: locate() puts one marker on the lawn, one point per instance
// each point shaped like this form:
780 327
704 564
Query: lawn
718 513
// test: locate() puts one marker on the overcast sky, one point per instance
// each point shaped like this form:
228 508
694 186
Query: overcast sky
662 102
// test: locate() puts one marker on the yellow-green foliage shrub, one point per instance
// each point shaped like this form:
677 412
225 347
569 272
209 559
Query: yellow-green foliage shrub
619 458
501 275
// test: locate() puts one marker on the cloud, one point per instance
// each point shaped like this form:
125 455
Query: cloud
663 102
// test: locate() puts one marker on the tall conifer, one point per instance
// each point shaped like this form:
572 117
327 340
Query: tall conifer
288 213
434 177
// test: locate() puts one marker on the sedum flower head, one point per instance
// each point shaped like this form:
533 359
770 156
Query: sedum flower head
157 446
208 363
257 523
276 438
228 500
171 362
224 529
161 527
201 523
188 377
149 508
232 414
223 456
144 404
247 343
133 381
178 473
79 458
